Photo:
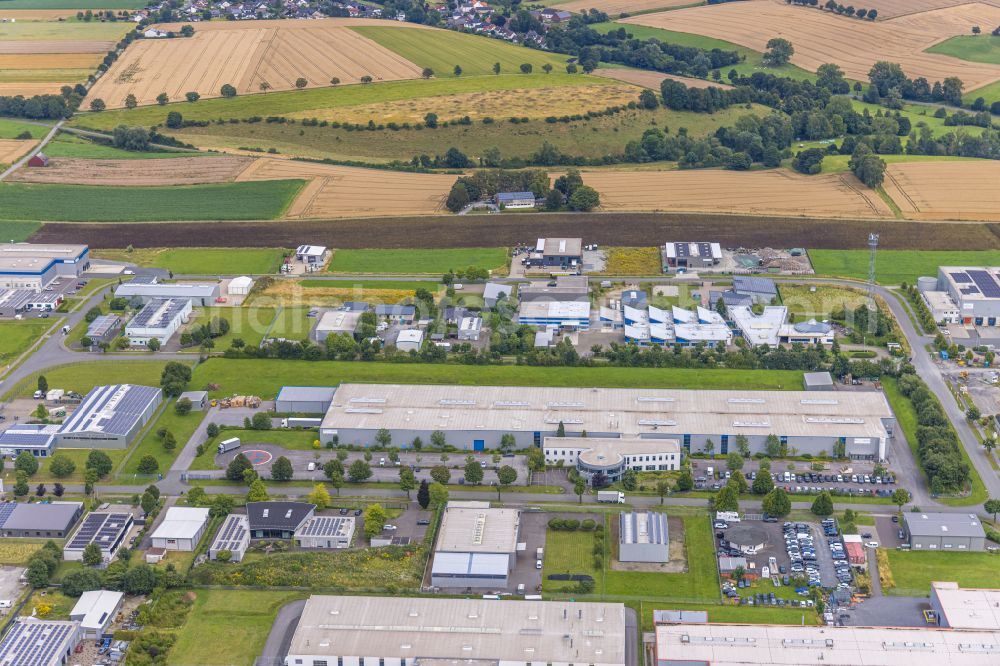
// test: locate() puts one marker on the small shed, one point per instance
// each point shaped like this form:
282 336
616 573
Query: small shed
154 555
39 160
240 286
199 399
409 340
818 381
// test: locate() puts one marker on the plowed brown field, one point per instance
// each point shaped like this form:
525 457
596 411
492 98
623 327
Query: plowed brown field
945 190
649 79
820 37
174 171
615 7
337 191
775 192
12 149
247 54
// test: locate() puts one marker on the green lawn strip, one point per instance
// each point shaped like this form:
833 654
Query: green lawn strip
181 426
202 260
264 377
914 571
16 336
18 231
79 458
292 323
10 129
322 99
892 267
376 285
974 48
989 92
68 145
81 377
409 261
751 64
247 324
262 200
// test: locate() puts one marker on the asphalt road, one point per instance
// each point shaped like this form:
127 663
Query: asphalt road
280 638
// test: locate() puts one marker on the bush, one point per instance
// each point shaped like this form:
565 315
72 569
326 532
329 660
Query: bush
572 524
588 525
556 524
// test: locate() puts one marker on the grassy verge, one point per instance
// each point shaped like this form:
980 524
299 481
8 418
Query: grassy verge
69 145
81 377
913 572
415 262
895 266
17 336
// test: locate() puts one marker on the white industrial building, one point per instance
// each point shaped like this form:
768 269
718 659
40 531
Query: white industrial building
974 291
200 294
158 320
611 456
409 340
325 532
469 328
240 286
391 631
110 416
311 255
233 536
335 322
95 611
966 608
476 546
34 642
643 536
38 439
476 417
181 528
34 266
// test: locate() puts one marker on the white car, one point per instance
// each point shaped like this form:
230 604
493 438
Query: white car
390 528
872 544
538 564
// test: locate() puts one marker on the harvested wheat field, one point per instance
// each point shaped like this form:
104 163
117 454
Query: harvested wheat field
30 88
888 9
531 102
175 171
337 191
12 149
945 190
775 192
615 7
247 54
31 61
650 79
289 293
819 36
54 46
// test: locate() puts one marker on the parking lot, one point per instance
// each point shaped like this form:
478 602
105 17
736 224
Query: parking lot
853 479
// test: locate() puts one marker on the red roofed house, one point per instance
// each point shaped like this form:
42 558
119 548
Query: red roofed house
38 160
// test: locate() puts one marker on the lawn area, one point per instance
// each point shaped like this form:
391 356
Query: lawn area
733 614
81 377
182 428
838 163
569 552
248 324
430 262
228 626
60 604
376 285
818 304
633 261
264 377
18 231
9 129
441 50
78 456
68 145
974 48
990 92
262 200
16 336
913 572
892 267
292 323
201 260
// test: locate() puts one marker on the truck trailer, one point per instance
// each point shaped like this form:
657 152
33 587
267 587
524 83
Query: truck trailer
610 496
227 445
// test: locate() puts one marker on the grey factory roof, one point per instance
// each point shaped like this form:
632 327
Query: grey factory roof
944 524
16 299
389 310
159 313
642 527
326 526
36 257
54 516
306 394
103 325
560 247
33 642
278 515
471 564
234 533
101 527
338 321
478 530
675 616
967 608
113 409
794 645
974 283
203 290
620 410
567 288
743 284
462 629
729 298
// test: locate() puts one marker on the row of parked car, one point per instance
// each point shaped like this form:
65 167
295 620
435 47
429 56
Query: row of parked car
801 549
840 563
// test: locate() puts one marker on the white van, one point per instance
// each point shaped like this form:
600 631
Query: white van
520 588
311 467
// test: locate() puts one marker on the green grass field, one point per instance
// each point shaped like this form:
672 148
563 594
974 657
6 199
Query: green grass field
975 48
430 262
989 92
18 231
79 457
201 260
247 324
838 163
67 145
365 285
60 30
81 377
16 336
818 304
292 323
9 129
441 50
263 200
264 377
181 426
913 572
894 266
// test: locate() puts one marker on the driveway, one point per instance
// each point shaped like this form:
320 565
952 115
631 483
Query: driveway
280 638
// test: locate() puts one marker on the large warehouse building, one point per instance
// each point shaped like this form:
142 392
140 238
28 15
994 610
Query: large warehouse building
109 417
476 417
966 608
476 546
388 631
33 642
38 521
945 531
31 266
200 294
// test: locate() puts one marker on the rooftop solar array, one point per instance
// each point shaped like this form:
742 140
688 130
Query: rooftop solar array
102 325
19 438
6 509
37 643
961 277
320 526
104 529
986 283
111 409
158 313
234 533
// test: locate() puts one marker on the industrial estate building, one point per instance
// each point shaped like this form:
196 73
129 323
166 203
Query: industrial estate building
325 532
38 439
311 255
95 611
181 528
611 456
359 631
476 417
158 320
35 266
38 521
104 329
110 417
17 301
964 294
643 537
304 399
690 256
34 642
277 520
944 531
105 528
556 253
336 322
233 537
565 305
966 608
476 546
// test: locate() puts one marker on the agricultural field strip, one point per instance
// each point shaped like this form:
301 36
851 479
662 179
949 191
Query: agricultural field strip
888 9
616 7
12 149
275 52
15 47
337 191
32 61
174 171
29 88
756 193
819 36
945 190
650 79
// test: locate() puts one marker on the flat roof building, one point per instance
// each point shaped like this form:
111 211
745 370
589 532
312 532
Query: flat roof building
566 288
198 399
409 339
200 294
158 320
109 417
975 291
469 328
476 547
34 642
304 399
181 528
611 456
335 322
762 329
945 531
240 286
966 608
325 532
690 256
95 611
516 199
41 521
571 315
35 266
560 253
105 328
38 439
405 632
233 536
310 254
817 381
493 291
105 528
475 417
643 537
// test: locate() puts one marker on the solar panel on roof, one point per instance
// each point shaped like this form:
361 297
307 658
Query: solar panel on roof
969 290
986 283
6 509
961 277
100 528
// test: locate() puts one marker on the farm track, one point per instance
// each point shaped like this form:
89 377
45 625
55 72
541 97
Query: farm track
622 229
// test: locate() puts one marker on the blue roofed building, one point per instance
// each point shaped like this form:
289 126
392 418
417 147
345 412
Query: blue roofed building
109 417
